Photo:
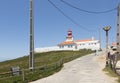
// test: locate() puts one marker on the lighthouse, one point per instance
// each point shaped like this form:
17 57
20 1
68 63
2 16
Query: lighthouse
69 37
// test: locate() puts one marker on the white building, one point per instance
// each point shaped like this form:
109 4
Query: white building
71 44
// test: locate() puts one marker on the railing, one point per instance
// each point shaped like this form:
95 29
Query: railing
24 73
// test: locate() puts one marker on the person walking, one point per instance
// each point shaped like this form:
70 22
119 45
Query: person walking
96 52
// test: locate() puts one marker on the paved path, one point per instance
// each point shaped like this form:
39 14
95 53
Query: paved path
87 69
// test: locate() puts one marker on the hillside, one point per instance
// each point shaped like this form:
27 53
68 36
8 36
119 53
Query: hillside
45 64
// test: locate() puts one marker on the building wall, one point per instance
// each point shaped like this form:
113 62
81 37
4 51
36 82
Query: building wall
53 48
67 47
93 45
47 49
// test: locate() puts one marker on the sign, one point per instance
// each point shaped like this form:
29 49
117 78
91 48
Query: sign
15 70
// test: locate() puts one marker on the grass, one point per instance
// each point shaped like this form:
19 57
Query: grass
49 60
111 73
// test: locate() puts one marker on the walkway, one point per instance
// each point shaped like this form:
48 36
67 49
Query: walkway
87 69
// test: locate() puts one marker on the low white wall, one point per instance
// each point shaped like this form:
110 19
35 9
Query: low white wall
53 48
56 48
47 49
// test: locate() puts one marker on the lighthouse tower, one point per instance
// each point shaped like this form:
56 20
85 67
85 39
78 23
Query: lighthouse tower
69 37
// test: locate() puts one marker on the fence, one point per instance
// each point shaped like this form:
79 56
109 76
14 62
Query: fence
25 74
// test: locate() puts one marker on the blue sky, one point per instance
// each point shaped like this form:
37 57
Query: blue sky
50 26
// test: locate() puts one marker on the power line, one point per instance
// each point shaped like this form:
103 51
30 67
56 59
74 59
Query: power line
84 28
94 12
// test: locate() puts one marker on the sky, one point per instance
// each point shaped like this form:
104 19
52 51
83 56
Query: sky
50 25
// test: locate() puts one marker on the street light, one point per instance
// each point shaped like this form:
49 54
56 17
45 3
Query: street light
106 29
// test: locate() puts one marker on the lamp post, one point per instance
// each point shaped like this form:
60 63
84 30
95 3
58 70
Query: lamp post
106 29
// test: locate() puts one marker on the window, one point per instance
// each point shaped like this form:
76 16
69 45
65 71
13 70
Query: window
68 46
61 46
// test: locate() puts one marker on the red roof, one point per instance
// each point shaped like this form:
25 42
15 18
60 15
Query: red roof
84 40
67 43
74 42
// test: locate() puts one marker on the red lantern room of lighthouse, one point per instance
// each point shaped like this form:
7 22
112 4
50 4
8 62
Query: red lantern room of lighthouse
69 36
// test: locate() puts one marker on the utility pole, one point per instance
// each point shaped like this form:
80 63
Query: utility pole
31 56
118 29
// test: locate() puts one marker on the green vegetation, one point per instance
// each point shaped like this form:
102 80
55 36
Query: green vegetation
111 73
45 64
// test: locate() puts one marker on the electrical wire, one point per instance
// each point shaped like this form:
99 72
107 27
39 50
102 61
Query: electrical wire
95 12
84 28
